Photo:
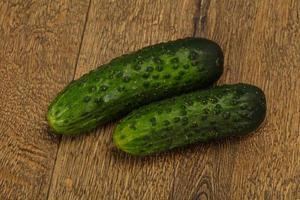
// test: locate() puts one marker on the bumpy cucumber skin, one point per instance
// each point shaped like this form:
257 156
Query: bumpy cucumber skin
229 110
135 79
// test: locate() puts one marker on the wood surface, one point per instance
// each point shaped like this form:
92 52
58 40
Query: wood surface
105 174
45 44
39 41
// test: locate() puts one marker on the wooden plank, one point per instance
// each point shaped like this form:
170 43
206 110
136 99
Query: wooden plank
39 42
87 167
261 40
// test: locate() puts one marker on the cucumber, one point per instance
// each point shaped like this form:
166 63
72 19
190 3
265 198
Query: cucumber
135 79
229 110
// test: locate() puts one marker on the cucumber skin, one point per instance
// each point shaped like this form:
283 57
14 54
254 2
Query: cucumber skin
229 110
132 80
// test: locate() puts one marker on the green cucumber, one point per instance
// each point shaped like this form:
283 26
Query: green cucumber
135 79
229 110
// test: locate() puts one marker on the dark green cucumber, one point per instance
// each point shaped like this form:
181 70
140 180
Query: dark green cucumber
135 79
228 110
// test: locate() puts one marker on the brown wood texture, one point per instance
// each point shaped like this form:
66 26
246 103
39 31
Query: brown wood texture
87 166
43 42
261 41
39 42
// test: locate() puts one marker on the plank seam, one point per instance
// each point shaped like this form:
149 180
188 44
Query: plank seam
197 17
82 37
76 63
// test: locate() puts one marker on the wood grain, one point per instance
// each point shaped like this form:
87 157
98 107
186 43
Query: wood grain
43 42
39 41
261 40
87 166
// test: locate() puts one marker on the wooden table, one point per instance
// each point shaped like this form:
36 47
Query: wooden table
45 44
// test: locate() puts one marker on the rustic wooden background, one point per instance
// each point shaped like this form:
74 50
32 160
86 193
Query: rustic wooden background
44 44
